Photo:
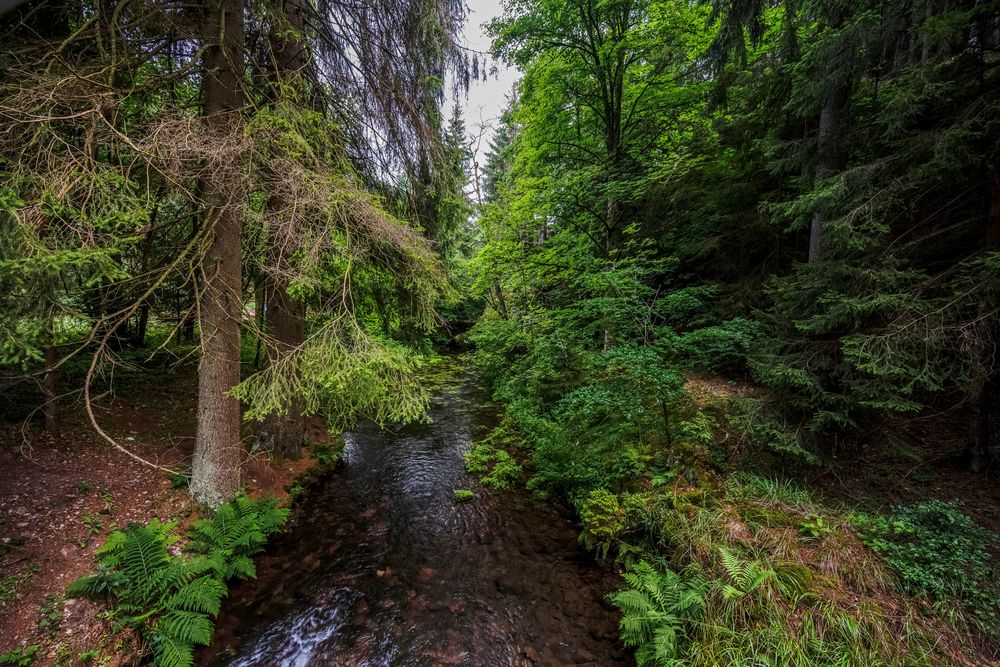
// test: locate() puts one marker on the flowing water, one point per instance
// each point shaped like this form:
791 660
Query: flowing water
381 565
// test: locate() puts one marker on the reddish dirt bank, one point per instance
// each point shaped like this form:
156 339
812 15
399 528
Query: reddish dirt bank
59 498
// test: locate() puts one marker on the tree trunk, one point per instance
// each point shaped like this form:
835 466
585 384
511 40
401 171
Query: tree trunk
215 471
987 394
830 149
830 156
141 325
284 432
982 435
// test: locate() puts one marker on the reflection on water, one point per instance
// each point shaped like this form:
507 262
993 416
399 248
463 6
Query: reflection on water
383 567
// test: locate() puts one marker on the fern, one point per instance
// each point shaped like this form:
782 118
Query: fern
172 600
659 610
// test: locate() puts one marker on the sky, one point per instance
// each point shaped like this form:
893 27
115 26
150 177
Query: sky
486 99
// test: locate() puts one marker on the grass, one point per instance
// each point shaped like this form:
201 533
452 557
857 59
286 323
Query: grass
787 583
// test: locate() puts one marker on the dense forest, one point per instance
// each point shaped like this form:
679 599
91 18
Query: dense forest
730 271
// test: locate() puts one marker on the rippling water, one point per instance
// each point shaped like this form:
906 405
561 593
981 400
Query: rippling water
382 567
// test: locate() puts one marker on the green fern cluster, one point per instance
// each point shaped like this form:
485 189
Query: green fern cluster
659 610
171 599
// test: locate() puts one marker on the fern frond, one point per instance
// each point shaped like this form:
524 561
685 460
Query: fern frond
204 595
171 652
185 626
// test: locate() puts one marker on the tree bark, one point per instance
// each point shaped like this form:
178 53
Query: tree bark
284 432
987 394
215 471
830 150
830 156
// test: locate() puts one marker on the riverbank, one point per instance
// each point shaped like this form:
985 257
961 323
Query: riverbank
60 498
735 557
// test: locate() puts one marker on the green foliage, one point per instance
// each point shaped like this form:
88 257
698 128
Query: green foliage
499 469
169 599
20 657
326 453
813 527
236 533
94 527
50 615
603 521
660 609
463 495
10 583
939 551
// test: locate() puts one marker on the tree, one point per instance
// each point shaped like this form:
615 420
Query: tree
218 451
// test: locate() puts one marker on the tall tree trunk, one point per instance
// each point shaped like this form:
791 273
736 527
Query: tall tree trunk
830 156
284 432
215 472
986 395
830 150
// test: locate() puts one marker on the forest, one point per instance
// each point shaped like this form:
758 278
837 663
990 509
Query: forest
719 286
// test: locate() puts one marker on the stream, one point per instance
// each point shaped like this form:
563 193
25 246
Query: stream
381 566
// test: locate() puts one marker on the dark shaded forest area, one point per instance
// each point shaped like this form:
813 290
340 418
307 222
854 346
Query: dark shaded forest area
730 270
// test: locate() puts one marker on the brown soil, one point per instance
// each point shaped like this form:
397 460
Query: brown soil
59 499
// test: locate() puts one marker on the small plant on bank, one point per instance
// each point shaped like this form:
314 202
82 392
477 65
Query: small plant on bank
171 599
10 583
50 616
813 527
464 495
94 527
501 467
603 521
659 611
20 657
327 453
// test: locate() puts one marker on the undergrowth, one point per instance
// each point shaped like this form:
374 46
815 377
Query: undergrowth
740 581
941 553
171 599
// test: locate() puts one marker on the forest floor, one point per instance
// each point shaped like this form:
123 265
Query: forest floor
59 499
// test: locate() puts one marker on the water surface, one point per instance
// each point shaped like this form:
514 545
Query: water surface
382 567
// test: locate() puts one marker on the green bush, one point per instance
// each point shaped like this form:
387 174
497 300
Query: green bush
464 495
603 521
171 599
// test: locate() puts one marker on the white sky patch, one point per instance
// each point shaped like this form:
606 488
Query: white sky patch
485 100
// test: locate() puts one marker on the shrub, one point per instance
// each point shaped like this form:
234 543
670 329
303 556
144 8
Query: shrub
500 467
463 495
603 521
20 657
